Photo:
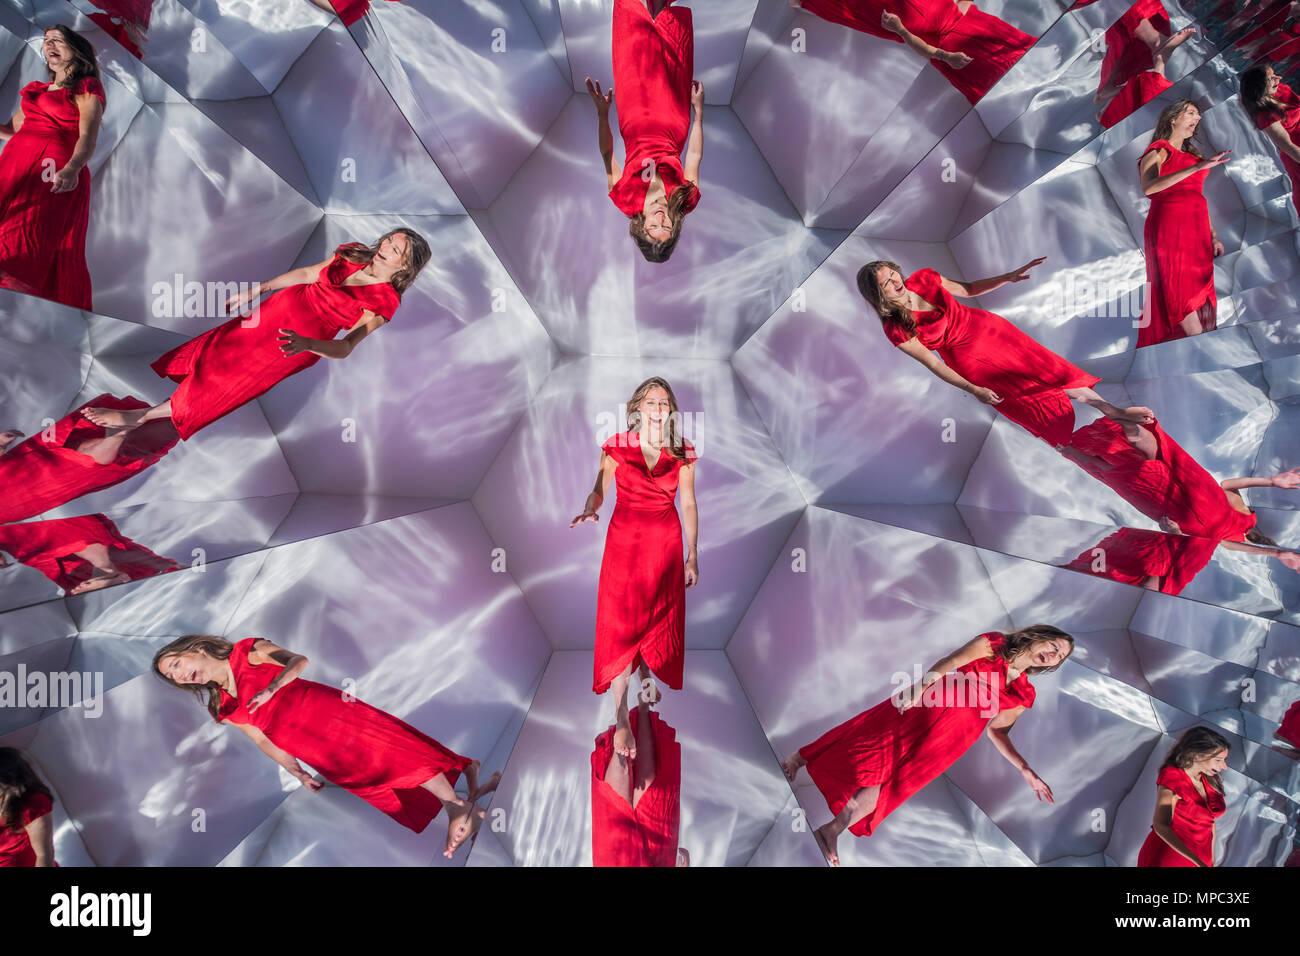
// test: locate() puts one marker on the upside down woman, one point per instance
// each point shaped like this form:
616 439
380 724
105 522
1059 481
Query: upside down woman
981 352
654 60
869 765
357 290
255 686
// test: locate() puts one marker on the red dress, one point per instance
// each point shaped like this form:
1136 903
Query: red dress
1290 120
350 11
1193 822
1137 92
1126 55
646 835
989 351
50 546
1180 259
901 753
370 753
993 45
1131 555
231 365
1171 485
1290 729
126 21
15 845
43 233
45 470
641 600
654 62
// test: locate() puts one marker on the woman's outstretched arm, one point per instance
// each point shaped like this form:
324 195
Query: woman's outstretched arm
286 760
1153 182
999 732
914 348
695 143
690 522
604 475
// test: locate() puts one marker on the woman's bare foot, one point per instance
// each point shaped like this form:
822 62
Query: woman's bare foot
624 739
1135 414
100 581
827 845
463 823
1174 42
114 417
485 788
791 764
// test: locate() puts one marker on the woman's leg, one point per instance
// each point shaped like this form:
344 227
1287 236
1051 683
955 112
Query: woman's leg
131 418
791 764
463 818
859 806
1141 439
106 572
643 773
624 743
103 451
1138 414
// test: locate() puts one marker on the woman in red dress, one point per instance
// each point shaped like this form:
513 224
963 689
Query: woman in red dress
968 46
1275 108
44 185
26 830
1179 239
1137 48
356 290
982 353
868 765
254 685
654 58
1152 472
73 457
1189 795
80 554
636 796
641 598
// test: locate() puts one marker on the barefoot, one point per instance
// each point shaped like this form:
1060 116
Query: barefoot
113 417
827 845
462 824
101 581
484 789
624 741
1136 415
1174 42
790 766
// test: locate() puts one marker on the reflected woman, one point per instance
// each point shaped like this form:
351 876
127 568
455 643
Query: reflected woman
44 185
81 554
1152 472
654 58
255 686
636 796
357 290
981 352
1275 108
26 828
1189 795
73 457
869 765
971 48
1138 46
1179 240
641 598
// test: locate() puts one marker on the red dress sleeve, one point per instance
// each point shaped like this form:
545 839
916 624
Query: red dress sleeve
615 445
34 807
1176 780
91 85
689 450
895 333
1160 144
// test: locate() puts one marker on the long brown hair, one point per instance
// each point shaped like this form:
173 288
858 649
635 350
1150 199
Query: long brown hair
1165 126
1253 94
890 314
1017 641
673 440
18 782
418 255
653 250
1193 745
217 648
83 64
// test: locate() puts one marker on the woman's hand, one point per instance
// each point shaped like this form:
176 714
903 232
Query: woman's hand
1021 274
697 96
291 343
1216 247
1169 525
955 60
585 516
1287 479
260 698
891 22
1216 160
242 300
986 395
65 180
692 571
1037 784
602 100
308 781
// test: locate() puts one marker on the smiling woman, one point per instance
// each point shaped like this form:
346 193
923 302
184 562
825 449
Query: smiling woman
255 686
44 186
356 291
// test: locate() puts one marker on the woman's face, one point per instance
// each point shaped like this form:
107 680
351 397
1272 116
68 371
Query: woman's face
1187 121
655 408
1048 653
187 668
891 284
55 49
391 255
1271 80
658 224
1215 763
